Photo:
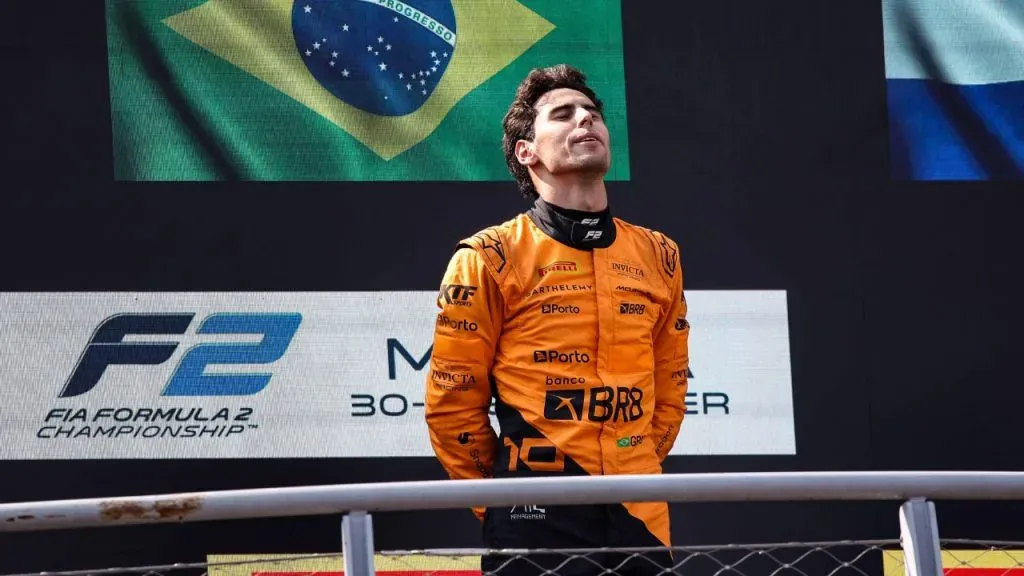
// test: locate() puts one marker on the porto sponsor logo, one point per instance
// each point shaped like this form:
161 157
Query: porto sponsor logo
558 309
462 325
599 404
456 294
560 266
554 356
384 57
631 309
110 346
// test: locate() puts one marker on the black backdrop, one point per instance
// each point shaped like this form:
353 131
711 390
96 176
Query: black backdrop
759 142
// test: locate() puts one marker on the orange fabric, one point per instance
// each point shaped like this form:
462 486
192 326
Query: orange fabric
586 351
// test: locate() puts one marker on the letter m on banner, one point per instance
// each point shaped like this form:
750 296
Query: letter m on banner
395 346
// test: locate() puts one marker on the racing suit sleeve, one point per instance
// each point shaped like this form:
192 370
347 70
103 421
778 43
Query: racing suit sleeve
672 363
458 390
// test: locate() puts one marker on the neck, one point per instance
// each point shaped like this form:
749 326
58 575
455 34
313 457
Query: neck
578 193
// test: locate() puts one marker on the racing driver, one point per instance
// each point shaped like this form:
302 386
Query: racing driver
574 322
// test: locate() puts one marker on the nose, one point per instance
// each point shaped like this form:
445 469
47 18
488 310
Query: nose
584 117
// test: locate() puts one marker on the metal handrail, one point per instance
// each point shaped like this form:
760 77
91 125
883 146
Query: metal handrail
446 494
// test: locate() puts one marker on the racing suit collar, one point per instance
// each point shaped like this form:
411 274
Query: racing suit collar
575 228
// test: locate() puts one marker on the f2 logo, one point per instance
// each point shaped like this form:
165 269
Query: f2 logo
107 348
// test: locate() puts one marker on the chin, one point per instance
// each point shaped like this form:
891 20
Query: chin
594 165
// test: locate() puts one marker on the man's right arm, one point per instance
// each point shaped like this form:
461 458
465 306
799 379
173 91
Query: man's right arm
458 394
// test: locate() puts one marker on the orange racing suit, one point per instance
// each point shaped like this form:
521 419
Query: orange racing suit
575 324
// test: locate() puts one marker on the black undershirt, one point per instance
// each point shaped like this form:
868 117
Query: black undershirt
576 228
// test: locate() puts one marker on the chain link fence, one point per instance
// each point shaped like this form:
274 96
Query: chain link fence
841 558
844 558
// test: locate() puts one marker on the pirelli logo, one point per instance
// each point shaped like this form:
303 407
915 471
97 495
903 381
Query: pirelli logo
560 266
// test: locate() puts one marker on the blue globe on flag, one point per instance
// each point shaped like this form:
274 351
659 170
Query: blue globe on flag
381 56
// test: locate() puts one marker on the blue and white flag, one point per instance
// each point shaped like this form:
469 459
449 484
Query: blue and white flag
955 79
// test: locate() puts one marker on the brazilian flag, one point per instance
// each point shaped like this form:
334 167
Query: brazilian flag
342 89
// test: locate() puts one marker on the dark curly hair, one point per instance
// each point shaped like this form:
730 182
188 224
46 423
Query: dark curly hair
518 121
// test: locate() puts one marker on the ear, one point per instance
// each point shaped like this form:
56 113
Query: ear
525 153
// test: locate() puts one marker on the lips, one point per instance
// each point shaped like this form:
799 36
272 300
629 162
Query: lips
586 137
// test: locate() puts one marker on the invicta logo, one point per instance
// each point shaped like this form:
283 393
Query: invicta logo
628 270
560 266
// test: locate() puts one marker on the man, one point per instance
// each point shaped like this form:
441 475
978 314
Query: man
575 323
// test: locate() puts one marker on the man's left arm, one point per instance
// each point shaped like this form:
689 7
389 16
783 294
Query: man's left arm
671 365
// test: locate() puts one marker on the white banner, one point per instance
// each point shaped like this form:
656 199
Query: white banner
315 374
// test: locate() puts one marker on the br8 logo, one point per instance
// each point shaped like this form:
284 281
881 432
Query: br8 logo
599 404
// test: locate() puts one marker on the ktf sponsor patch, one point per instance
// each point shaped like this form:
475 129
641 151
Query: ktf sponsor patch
455 295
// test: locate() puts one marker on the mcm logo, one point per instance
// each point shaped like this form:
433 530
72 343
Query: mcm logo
529 512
